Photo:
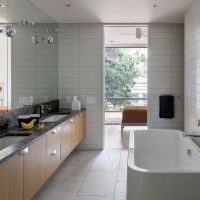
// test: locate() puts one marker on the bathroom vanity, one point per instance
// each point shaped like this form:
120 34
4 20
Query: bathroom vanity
26 165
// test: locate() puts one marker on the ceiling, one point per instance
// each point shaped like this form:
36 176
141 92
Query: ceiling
114 11
125 36
16 10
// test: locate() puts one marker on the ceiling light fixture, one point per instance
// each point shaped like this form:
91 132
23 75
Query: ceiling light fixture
2 6
154 5
68 5
8 31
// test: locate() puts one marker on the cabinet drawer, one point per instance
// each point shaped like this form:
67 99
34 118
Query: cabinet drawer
53 151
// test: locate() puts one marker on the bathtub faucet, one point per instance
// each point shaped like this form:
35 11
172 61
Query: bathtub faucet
190 135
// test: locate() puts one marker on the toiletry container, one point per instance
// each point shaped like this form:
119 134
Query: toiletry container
31 100
23 118
76 104
36 117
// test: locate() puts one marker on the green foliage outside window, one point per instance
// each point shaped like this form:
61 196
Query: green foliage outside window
121 74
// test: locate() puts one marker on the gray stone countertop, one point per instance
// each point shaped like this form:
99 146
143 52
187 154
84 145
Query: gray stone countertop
11 144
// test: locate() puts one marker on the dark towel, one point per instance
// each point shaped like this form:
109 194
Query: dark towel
167 106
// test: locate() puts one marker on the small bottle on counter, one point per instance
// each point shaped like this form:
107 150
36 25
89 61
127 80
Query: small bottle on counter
76 104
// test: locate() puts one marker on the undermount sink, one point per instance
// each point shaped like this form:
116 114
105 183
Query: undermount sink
9 140
55 118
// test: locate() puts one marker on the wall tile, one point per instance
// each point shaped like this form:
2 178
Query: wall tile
192 71
165 72
80 69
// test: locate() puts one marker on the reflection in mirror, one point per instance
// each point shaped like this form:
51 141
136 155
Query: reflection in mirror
5 69
28 55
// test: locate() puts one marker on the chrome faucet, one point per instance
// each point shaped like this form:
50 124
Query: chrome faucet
191 135
44 108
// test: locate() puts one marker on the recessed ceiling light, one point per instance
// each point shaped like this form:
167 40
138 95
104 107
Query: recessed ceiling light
68 5
2 6
154 5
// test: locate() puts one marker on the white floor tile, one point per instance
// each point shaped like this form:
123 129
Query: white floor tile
99 183
113 137
73 171
83 155
120 197
107 160
120 188
121 176
59 190
120 191
90 175
94 198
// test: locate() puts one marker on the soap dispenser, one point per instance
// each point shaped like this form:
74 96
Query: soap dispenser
76 104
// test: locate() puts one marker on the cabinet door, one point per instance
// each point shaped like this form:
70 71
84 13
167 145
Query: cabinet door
82 126
16 178
34 168
11 179
4 181
65 140
53 151
75 131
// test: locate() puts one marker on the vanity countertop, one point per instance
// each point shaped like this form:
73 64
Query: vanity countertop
10 145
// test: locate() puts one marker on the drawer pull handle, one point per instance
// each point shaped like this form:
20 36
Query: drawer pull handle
54 132
24 151
54 153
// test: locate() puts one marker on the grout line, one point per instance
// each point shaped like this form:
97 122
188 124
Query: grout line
79 51
117 174
83 180
171 45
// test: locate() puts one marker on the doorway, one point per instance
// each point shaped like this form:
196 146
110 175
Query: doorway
125 79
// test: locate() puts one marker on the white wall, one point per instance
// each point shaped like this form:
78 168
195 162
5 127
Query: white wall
80 73
192 67
165 72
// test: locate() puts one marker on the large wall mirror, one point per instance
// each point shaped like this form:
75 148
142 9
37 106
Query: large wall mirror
28 55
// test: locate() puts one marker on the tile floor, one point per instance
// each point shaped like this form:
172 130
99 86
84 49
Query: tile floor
93 175
90 175
113 135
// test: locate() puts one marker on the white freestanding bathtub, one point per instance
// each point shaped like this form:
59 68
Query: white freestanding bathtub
163 165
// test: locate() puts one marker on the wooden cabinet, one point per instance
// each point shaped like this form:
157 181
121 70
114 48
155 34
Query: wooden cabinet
65 140
25 173
4 180
81 126
53 151
71 133
11 179
75 131
16 189
34 168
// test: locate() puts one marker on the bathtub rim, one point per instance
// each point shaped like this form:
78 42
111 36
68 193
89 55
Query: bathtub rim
133 166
